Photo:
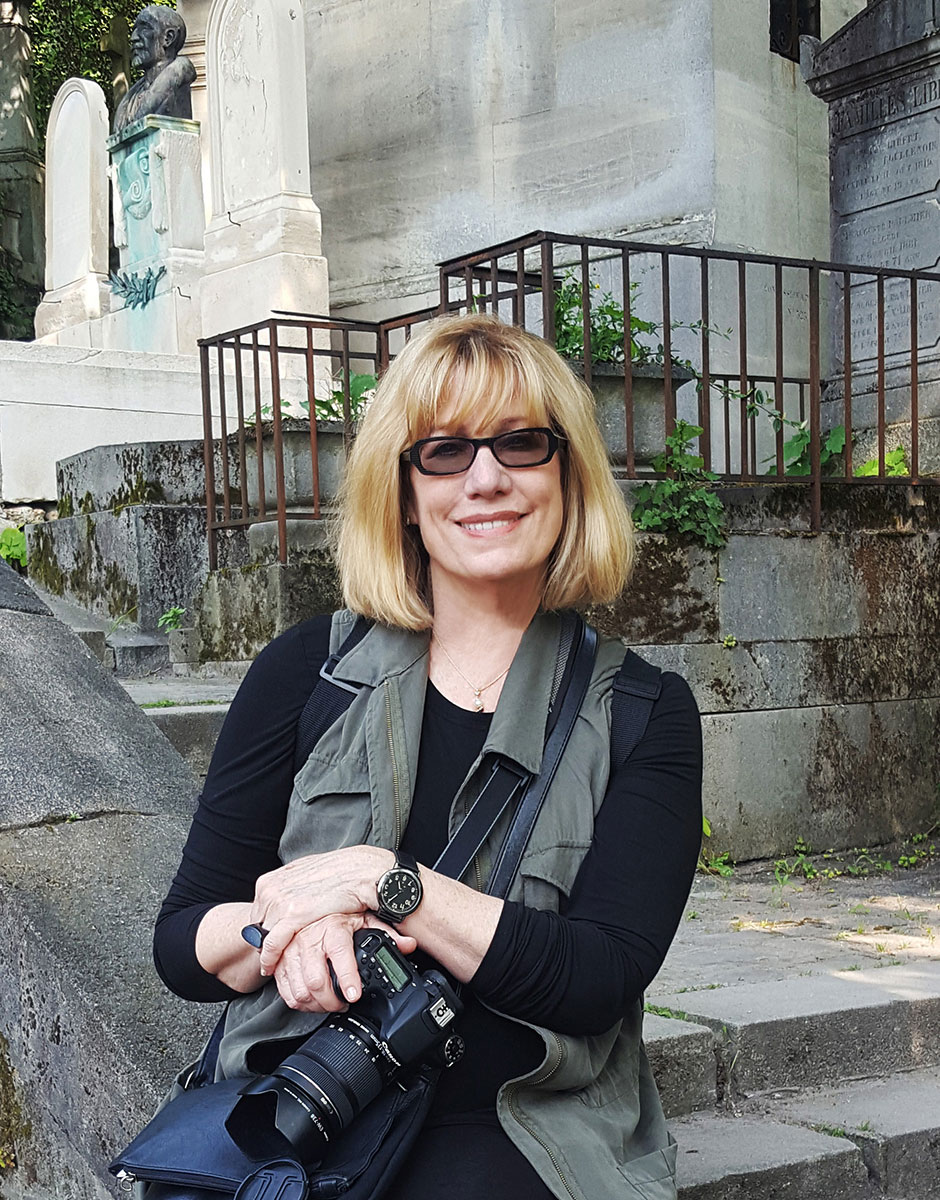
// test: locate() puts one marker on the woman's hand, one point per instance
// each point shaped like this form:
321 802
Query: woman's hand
302 972
302 893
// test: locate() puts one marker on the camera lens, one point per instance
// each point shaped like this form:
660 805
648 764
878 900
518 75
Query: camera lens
325 1083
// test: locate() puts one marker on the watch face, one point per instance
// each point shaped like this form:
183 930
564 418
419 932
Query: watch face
400 892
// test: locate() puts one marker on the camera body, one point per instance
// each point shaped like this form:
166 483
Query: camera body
411 1011
403 1019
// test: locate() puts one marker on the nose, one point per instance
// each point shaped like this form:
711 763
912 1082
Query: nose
486 474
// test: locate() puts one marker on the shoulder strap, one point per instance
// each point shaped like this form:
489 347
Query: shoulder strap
329 699
636 688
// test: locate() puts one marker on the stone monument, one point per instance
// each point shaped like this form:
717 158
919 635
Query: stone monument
262 243
21 205
880 76
164 90
76 209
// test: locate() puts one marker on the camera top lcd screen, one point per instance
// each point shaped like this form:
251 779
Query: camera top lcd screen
391 967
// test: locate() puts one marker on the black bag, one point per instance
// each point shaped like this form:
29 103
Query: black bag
192 1127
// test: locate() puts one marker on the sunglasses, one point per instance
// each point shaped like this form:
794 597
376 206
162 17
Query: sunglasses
452 455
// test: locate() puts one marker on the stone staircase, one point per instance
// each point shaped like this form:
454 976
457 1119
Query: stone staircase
809 1062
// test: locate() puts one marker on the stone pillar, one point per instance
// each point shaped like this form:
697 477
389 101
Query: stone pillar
196 13
76 209
263 240
21 213
156 176
880 76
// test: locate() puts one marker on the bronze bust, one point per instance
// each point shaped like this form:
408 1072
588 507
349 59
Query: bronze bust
156 40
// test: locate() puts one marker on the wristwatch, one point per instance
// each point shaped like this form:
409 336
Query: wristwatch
399 890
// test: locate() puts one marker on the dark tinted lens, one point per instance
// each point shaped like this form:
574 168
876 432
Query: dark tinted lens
522 447
446 456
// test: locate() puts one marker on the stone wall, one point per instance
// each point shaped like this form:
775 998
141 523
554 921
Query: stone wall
437 129
813 657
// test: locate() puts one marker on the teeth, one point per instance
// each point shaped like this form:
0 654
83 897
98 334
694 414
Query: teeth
481 525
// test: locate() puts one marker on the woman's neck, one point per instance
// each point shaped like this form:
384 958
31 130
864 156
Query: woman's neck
474 639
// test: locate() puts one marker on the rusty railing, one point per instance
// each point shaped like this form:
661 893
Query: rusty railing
762 359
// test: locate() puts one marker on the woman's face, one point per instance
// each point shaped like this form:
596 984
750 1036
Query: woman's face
490 524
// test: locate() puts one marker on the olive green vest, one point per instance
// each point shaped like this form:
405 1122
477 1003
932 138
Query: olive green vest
589 1117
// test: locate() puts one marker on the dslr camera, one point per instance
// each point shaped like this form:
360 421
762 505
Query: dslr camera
403 1019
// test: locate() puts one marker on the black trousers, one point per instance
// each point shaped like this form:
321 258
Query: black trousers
467 1161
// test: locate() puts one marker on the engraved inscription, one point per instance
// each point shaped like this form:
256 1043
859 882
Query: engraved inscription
872 108
885 165
897 318
905 235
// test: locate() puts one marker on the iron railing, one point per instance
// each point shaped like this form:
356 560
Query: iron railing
763 358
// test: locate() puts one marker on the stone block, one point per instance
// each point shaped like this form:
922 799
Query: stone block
192 730
95 752
727 1158
682 1056
130 566
116 476
89 1037
895 1122
94 808
821 1028
838 776
673 596
242 609
803 674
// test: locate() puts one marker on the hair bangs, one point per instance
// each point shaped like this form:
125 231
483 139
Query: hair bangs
477 390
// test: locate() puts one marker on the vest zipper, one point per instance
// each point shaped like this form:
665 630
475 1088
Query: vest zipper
396 786
541 1078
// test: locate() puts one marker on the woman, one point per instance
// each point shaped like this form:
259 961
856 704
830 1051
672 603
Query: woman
478 502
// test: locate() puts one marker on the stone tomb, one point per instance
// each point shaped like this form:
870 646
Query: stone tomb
880 76
76 209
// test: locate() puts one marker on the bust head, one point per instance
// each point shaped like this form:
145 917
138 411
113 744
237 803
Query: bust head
157 37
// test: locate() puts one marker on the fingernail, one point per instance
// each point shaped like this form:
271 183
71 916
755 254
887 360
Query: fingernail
352 994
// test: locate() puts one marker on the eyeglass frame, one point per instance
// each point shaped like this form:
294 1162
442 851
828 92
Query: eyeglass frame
413 454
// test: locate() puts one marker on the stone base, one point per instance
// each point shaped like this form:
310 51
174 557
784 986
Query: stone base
130 565
250 292
75 304
58 400
261 259
820 652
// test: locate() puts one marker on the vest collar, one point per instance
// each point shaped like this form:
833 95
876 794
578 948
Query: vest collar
387 652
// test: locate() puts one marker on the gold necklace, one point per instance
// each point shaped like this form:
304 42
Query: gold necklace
477 691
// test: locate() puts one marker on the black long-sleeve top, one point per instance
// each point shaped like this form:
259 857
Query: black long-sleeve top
576 971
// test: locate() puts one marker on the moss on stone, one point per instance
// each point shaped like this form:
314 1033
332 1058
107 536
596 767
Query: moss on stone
65 506
44 568
14 1127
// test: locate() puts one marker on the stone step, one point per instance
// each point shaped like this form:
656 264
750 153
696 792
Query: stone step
126 651
684 1062
749 1158
894 1121
188 711
819 1029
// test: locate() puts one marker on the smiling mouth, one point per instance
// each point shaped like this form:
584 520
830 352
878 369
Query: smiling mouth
487 526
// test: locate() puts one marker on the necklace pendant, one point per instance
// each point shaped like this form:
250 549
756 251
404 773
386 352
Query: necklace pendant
477 702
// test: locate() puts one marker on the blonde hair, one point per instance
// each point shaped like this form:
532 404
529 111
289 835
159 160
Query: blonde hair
477 367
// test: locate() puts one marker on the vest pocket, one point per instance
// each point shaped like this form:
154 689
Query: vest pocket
653 1176
338 799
